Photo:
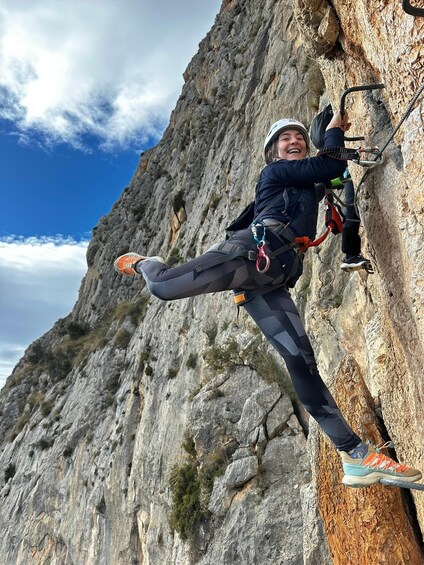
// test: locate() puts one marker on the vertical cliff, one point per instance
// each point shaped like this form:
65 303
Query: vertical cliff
138 431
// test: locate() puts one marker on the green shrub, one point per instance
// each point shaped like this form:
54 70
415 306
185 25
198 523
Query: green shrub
178 201
19 426
144 356
174 257
76 329
211 331
213 466
35 398
135 310
46 407
108 400
67 452
173 372
185 488
212 205
267 367
214 201
36 353
101 506
138 211
45 443
61 361
195 392
192 361
9 472
189 445
110 390
191 251
191 487
96 337
223 357
122 338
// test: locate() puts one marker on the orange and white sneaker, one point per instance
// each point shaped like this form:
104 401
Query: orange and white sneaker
373 466
125 264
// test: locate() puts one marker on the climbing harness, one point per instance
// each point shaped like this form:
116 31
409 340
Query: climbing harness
412 10
263 261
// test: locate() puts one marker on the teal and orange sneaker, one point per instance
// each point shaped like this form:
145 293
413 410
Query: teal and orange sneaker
373 466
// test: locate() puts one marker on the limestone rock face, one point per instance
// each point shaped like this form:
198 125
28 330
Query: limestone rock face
140 431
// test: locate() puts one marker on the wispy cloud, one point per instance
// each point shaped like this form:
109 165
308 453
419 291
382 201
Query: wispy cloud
39 282
107 68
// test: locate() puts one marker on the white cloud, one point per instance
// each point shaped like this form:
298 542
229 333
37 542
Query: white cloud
112 68
39 281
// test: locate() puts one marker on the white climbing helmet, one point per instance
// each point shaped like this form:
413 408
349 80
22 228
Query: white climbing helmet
281 125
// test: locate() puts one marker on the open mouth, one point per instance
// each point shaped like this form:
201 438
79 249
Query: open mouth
293 151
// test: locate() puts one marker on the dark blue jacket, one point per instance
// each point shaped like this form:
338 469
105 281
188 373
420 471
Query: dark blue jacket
295 181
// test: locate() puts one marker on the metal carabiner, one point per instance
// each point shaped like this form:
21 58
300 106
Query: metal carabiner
371 151
262 256
254 228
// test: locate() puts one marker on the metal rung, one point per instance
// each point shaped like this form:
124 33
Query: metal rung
412 10
401 484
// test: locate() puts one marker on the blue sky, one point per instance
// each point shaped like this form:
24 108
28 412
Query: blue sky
61 190
84 88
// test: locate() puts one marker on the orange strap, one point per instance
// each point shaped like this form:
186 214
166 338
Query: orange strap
305 242
333 222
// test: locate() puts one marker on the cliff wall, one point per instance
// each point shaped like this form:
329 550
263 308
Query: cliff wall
138 431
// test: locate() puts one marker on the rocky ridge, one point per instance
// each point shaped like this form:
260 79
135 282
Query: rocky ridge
138 431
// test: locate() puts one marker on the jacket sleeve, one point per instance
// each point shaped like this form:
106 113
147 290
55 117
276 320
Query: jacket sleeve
313 169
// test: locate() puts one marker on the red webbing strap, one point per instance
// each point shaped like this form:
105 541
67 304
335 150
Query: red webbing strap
305 242
333 223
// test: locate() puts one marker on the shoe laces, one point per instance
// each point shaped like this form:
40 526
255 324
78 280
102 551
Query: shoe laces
386 445
381 461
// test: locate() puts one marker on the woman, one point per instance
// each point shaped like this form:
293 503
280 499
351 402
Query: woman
285 207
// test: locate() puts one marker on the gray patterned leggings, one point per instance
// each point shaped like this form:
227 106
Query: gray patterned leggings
276 315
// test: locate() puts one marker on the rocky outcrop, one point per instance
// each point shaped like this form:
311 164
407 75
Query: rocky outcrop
138 431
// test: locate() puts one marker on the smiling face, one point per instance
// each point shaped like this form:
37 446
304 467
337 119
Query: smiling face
291 145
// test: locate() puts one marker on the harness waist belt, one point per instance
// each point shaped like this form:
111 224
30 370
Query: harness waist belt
225 251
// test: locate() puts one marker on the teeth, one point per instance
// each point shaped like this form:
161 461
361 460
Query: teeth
294 151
